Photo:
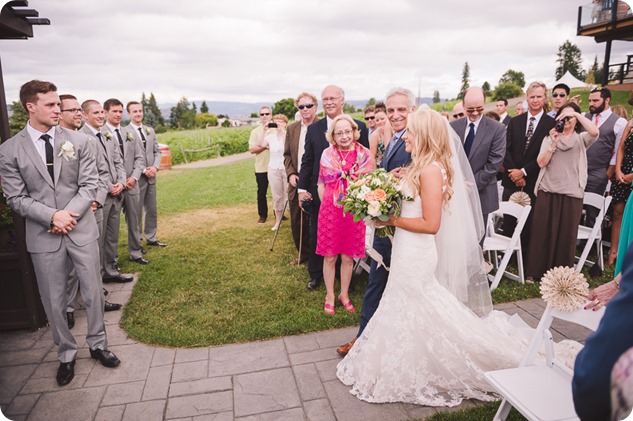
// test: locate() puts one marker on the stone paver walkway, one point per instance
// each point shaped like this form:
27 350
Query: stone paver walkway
290 378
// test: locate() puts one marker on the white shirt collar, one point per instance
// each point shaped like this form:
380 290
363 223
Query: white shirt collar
36 134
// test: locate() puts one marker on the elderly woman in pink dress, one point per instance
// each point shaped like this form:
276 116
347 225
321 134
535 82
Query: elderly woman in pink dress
337 233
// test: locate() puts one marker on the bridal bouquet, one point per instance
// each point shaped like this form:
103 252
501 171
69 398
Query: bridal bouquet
375 195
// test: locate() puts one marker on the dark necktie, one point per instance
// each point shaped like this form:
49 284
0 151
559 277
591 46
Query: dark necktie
140 130
469 139
49 155
528 135
118 135
390 147
100 137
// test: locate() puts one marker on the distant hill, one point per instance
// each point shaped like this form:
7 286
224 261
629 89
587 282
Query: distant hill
244 109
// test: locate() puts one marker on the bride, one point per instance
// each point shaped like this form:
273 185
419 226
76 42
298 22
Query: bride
427 344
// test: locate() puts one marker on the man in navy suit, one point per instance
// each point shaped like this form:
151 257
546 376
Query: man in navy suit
592 371
332 99
400 102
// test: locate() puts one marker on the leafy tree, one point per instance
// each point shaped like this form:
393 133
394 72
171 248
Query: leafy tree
286 107
19 117
508 90
182 116
204 108
569 59
348 108
254 115
372 101
204 120
513 76
465 81
226 123
487 89
436 97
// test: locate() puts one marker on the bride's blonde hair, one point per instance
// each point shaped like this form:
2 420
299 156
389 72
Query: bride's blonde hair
429 128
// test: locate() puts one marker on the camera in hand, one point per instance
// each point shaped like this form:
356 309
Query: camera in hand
560 124
272 125
307 206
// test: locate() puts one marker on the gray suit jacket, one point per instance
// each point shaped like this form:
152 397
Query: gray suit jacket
151 152
132 157
30 191
485 157
102 165
111 156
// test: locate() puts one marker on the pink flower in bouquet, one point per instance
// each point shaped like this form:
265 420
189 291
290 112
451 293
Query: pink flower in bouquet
370 197
380 195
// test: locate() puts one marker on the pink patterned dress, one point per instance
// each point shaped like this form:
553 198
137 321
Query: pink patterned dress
338 233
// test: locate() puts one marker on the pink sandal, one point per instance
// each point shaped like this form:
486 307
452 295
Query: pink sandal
328 309
348 305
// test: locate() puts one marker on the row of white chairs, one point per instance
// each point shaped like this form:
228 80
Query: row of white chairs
496 243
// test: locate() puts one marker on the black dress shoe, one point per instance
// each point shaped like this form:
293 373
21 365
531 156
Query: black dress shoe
110 306
119 278
105 357
65 373
105 292
70 318
143 251
313 284
139 260
156 243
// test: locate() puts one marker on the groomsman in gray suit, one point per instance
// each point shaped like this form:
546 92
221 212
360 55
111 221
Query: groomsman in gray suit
132 157
71 119
109 238
146 138
49 176
484 143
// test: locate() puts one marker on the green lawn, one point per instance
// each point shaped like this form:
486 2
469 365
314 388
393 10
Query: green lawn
218 282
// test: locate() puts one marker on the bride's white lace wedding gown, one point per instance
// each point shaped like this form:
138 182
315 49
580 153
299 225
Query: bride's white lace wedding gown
423 345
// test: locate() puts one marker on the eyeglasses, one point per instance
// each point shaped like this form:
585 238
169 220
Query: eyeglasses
460 115
559 95
263 114
308 106
370 118
72 110
330 99
347 132
478 110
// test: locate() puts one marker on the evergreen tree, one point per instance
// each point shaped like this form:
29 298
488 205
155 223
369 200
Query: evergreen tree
204 108
569 59
194 108
594 74
182 116
19 117
372 101
465 81
144 102
487 89
436 97
152 106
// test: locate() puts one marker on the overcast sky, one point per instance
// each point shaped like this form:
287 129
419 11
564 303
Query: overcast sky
252 51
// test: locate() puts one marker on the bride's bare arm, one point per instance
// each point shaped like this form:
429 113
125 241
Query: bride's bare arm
431 183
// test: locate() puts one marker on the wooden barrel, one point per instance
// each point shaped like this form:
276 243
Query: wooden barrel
165 157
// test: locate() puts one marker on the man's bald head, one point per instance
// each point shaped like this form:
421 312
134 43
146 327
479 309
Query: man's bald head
474 99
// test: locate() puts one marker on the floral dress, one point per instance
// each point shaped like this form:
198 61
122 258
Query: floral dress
619 191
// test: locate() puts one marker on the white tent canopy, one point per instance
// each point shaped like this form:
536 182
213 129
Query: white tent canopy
569 80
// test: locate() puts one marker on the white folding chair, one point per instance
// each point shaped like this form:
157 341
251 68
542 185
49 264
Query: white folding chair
494 242
593 234
537 391
370 252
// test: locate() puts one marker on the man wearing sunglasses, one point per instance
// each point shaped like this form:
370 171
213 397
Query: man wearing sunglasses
370 118
484 143
293 152
458 111
262 155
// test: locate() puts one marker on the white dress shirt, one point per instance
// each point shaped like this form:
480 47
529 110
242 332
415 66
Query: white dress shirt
39 143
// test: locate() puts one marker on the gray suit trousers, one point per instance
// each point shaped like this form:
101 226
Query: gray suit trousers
150 211
132 209
108 247
51 270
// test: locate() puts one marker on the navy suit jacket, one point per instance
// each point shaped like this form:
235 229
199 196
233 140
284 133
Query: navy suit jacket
592 373
315 144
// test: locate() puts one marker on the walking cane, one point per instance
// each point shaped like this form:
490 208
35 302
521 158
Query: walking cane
279 227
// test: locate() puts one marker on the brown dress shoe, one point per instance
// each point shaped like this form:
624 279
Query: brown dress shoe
344 349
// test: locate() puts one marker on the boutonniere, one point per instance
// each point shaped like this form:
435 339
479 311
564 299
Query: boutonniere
147 131
129 137
108 135
67 150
